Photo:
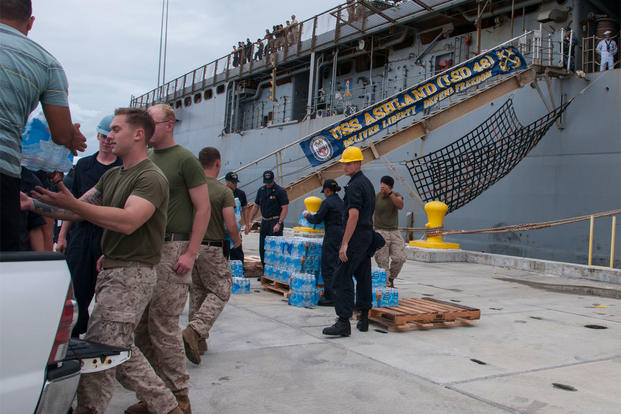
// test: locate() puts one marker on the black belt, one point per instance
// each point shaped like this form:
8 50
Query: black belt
212 243
176 237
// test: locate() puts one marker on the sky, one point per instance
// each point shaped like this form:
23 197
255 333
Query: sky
110 48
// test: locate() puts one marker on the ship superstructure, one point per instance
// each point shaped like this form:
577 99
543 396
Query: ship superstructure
255 107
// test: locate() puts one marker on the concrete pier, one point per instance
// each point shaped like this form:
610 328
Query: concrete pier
267 357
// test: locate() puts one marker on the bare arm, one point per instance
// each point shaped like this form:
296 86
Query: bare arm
62 130
228 214
126 220
397 200
202 212
281 219
350 226
61 244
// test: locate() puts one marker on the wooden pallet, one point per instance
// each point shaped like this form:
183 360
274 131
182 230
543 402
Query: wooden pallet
275 285
424 313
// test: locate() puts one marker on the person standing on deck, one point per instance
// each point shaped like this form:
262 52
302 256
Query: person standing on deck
331 213
274 204
353 253
392 256
607 49
231 179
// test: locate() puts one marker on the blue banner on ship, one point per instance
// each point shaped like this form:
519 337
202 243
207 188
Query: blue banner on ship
331 141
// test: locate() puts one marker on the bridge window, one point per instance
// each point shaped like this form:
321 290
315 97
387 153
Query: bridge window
187 101
208 94
220 89
197 98
178 104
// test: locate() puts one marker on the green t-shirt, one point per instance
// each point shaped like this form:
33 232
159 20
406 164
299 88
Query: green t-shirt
183 172
146 181
220 196
386 214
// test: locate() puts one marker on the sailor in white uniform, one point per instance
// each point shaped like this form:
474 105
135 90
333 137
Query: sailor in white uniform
607 49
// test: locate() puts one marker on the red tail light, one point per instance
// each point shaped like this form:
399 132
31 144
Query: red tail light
68 318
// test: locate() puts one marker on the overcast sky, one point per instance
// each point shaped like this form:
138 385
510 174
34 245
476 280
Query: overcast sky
110 48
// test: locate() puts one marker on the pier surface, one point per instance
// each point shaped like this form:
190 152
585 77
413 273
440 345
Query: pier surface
267 357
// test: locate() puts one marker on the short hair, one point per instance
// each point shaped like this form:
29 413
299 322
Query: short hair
208 156
167 110
15 10
388 180
138 118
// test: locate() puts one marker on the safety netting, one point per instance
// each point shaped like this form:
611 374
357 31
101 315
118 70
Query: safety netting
461 171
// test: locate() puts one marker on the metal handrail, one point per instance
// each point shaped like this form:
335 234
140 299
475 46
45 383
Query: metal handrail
296 142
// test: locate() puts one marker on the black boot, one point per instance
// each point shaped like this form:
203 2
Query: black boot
363 321
341 327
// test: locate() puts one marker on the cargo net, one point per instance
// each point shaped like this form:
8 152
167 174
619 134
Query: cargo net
461 171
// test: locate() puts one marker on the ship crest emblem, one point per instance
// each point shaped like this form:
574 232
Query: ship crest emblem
508 59
321 148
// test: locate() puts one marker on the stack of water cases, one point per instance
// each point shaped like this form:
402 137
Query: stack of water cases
237 210
295 261
240 283
382 296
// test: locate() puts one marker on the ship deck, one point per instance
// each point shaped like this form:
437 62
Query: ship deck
267 357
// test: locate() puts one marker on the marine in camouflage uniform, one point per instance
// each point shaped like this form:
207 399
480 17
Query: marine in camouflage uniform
158 334
211 278
136 199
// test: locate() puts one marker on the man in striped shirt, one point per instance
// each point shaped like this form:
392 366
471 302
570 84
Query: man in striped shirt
28 75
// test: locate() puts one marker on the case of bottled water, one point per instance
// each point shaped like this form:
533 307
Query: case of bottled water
303 290
287 256
39 152
241 285
237 268
378 277
305 223
383 297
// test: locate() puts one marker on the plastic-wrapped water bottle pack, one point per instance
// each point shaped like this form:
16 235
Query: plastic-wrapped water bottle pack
303 290
39 152
237 268
241 285
383 297
378 277
285 256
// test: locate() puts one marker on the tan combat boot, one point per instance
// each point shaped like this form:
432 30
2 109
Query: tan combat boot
177 410
190 342
202 346
139 408
184 403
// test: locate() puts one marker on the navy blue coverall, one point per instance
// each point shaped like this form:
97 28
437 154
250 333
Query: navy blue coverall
271 200
331 213
359 194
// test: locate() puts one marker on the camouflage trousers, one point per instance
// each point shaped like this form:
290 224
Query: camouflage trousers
158 334
121 296
393 252
211 288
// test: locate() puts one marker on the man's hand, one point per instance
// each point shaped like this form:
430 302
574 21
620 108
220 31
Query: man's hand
247 229
343 253
98 265
185 263
25 202
61 244
62 199
78 142
306 214
276 228
237 244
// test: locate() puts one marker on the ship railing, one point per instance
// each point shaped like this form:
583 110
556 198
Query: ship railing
288 162
324 29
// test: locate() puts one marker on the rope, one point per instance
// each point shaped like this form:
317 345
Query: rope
437 231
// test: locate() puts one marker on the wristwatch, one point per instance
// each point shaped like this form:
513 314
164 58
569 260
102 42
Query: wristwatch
279 223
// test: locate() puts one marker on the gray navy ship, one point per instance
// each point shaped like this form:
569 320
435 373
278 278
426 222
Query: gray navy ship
261 105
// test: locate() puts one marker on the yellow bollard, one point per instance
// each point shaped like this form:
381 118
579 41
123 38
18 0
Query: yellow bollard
312 204
436 210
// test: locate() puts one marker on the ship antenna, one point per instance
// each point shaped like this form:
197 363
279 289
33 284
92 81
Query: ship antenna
161 69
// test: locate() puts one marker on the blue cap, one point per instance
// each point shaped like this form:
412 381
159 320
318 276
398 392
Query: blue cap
268 177
104 125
